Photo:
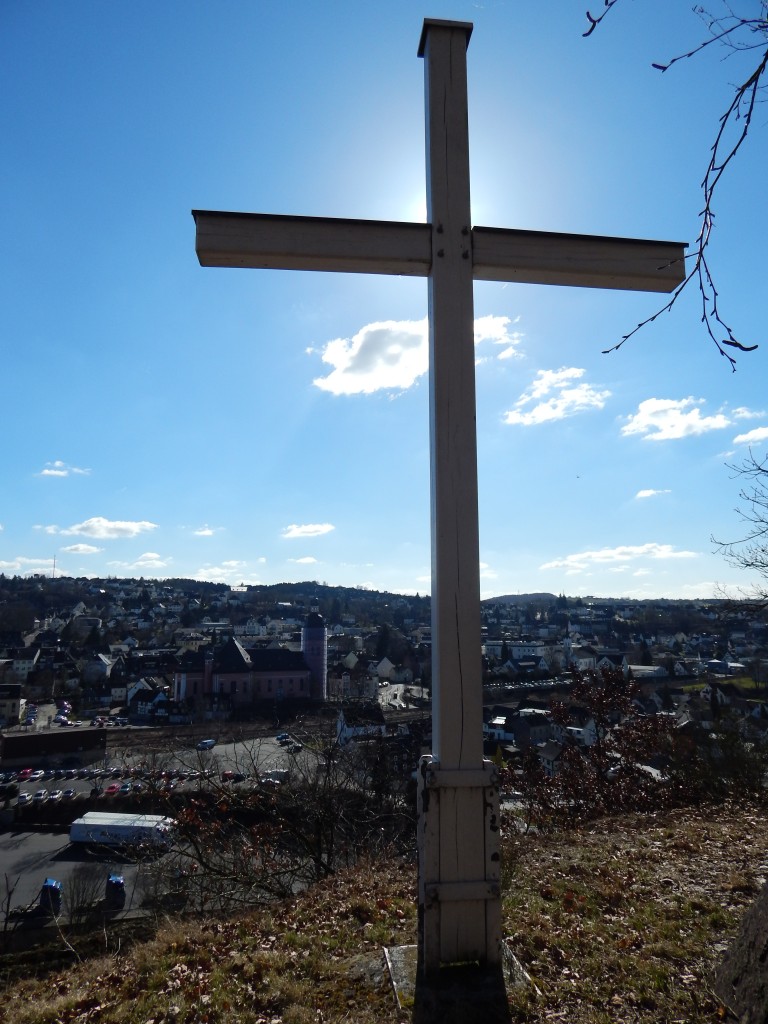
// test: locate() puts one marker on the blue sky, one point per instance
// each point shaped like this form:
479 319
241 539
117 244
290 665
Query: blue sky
162 419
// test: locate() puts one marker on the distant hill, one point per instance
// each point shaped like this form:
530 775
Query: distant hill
522 599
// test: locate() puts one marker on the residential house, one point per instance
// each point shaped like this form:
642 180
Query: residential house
10 703
97 669
360 722
25 660
549 756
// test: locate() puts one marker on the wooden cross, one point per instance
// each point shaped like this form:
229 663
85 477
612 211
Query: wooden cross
458 803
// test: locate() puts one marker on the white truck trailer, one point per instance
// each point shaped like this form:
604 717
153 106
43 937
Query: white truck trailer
103 828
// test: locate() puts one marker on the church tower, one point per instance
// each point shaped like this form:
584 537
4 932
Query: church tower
314 647
567 648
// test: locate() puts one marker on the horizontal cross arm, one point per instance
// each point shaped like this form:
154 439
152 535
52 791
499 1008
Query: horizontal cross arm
586 261
267 241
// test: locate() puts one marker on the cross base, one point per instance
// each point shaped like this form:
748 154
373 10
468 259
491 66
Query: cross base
459 866
465 994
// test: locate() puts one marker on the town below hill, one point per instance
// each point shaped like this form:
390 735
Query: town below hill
691 732
177 651
76 637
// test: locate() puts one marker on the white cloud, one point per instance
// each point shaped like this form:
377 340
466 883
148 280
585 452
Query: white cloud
667 419
650 493
743 413
496 330
623 553
555 397
307 530
307 560
29 566
150 560
102 529
81 549
390 354
204 531
755 436
394 354
59 468
232 571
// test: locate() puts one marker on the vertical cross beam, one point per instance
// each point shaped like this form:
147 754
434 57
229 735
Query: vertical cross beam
457 721
458 871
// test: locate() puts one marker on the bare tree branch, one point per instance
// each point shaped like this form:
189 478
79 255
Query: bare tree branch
739 34
751 551
594 22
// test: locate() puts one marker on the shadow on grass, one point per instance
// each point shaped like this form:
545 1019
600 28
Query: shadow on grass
464 994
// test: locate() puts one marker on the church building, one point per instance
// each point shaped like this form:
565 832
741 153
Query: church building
233 675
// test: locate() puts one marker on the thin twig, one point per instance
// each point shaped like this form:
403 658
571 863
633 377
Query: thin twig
728 30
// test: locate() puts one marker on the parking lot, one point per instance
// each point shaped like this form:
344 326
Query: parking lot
36 844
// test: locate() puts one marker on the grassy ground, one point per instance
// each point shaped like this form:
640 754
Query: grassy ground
621 921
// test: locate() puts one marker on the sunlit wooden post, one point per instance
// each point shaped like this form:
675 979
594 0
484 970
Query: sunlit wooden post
459 805
459 895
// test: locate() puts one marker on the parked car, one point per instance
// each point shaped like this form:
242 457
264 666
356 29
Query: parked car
40 796
69 794
24 798
112 789
114 895
55 795
206 745
50 896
